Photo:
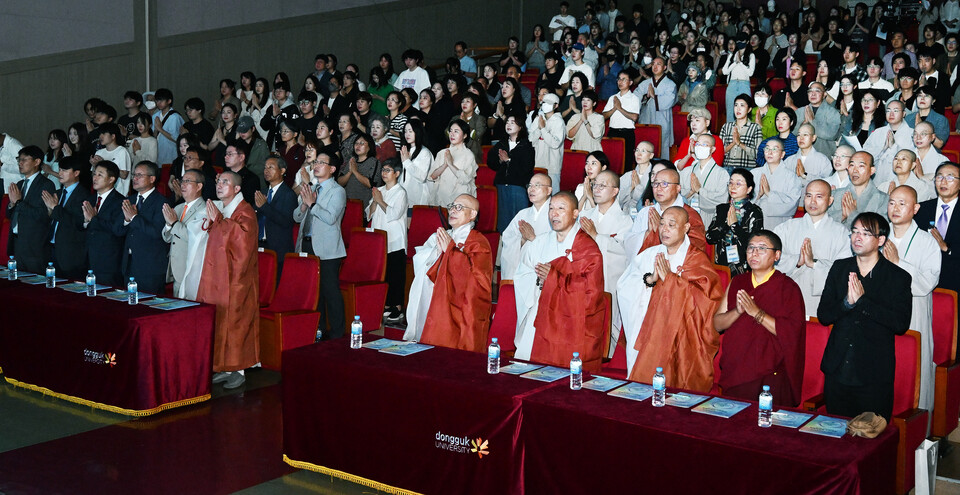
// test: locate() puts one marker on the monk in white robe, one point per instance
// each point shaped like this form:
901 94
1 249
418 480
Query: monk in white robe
778 186
704 185
917 252
906 172
861 194
930 158
526 225
811 244
657 97
608 225
886 141
809 162
634 182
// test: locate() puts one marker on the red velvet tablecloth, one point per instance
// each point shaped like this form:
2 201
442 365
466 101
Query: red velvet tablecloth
132 360
408 422
592 443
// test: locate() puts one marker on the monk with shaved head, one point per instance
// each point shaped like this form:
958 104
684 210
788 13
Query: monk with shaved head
559 291
666 193
667 297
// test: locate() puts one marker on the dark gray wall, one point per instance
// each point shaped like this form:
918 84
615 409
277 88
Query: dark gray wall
47 91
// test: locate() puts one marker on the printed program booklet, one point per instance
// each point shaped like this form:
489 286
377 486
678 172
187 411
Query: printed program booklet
826 426
121 295
602 384
405 349
790 419
169 305
380 344
80 287
721 407
547 374
633 391
683 399
519 368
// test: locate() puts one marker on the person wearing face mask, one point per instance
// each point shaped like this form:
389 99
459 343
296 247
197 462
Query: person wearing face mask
764 114
704 185
547 131
699 123
608 73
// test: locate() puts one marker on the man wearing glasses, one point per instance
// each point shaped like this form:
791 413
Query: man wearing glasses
811 243
861 194
559 290
236 160
824 118
761 315
144 252
666 193
453 274
867 299
936 216
184 232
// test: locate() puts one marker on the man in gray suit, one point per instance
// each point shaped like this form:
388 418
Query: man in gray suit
824 118
319 216
184 232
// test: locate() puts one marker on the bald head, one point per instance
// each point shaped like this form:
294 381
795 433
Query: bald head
567 196
544 177
465 215
905 192
821 186
669 175
674 225
467 200
678 213
610 176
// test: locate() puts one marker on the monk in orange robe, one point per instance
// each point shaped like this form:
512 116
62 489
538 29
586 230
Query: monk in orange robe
668 297
460 307
566 314
645 232
229 280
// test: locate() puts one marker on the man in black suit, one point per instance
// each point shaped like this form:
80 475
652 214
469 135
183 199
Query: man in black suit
275 210
937 216
103 220
868 301
29 223
144 251
236 160
68 241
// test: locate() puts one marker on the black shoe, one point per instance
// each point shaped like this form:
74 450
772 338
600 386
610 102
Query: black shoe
394 314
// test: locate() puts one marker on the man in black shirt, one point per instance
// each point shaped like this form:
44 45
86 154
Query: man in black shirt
195 123
236 160
796 89
128 123
868 301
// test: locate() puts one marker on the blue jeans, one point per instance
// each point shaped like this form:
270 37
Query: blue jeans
510 200
734 89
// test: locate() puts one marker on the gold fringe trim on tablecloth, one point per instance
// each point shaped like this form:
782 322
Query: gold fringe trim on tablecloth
376 485
107 407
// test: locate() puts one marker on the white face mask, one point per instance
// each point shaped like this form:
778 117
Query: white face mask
150 104
771 5
701 152
647 60
546 108
761 101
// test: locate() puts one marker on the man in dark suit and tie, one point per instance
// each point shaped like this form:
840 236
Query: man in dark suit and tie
29 223
144 252
938 217
103 220
68 241
275 210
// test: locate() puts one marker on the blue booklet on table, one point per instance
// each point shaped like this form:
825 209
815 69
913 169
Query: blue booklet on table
405 349
602 384
547 374
37 279
519 368
80 287
683 399
171 304
790 419
721 407
158 300
121 295
826 426
633 391
380 344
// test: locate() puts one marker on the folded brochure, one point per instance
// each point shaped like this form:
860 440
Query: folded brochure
826 426
718 406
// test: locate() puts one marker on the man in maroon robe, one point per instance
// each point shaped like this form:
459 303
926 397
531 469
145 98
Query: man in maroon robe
460 307
229 280
763 325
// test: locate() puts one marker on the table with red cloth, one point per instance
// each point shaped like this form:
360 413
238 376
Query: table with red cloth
409 422
609 444
375 419
133 360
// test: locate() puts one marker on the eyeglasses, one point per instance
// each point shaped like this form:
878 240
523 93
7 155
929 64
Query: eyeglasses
532 185
457 207
191 159
662 183
231 153
762 249
841 156
305 102
736 183
873 66
188 181
224 182
861 233
601 186
949 179
140 176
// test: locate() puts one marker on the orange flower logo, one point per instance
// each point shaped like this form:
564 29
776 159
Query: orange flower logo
479 447
111 359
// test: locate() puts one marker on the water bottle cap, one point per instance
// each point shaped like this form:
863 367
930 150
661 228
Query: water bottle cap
131 279
576 354
50 264
90 271
494 340
659 369
356 317
766 388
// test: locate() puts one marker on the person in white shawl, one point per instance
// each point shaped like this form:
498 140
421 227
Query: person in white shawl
417 162
608 225
704 184
526 225
917 252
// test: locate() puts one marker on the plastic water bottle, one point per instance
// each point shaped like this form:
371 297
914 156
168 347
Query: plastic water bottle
659 388
132 296
356 333
91 284
51 276
493 357
576 372
764 420
12 269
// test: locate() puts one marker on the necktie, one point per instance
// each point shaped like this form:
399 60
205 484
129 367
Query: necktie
63 199
183 214
99 200
942 221
308 220
263 218
139 202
